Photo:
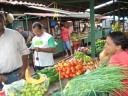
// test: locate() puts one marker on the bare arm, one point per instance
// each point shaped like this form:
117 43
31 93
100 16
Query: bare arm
49 50
23 68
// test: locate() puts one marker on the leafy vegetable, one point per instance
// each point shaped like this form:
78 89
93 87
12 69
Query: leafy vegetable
103 79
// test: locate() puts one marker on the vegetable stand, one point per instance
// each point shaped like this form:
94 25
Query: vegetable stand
78 77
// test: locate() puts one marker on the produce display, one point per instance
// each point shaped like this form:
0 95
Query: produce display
85 50
103 80
70 68
37 84
50 72
31 80
116 27
78 36
74 37
33 90
99 44
29 87
84 57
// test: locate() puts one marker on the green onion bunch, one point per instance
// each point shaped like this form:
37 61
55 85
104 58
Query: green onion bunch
103 80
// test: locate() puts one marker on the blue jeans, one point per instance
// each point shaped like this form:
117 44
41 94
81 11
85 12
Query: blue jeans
67 45
36 68
11 77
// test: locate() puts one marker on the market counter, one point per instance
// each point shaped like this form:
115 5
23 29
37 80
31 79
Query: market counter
59 47
55 87
98 34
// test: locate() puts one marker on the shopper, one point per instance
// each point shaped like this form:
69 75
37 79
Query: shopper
20 30
65 35
117 47
13 53
44 46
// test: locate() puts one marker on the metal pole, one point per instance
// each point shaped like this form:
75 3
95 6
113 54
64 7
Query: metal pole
26 23
92 28
48 25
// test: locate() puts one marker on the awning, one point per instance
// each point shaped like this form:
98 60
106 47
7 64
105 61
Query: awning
52 10
46 14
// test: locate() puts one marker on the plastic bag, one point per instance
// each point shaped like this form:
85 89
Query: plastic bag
15 87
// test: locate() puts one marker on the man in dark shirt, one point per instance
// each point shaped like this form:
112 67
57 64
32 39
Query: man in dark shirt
20 30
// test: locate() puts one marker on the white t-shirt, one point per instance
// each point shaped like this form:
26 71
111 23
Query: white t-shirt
12 47
45 58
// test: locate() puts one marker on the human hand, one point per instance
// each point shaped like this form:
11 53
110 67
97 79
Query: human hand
21 73
37 49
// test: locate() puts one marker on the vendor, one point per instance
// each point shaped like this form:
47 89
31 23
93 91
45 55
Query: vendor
44 47
13 52
116 47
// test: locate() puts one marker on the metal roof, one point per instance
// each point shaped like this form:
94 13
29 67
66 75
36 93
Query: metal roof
118 7
46 14
21 2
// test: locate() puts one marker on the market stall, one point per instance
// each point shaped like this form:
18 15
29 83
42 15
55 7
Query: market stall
78 75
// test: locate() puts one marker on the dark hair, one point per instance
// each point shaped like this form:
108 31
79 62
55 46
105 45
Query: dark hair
119 39
61 25
38 25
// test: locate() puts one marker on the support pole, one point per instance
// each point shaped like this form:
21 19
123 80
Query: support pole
114 12
92 28
26 22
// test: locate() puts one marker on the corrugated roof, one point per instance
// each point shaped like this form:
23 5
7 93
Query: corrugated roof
21 3
46 14
77 15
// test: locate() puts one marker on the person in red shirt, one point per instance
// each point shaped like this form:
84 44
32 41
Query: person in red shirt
65 35
117 47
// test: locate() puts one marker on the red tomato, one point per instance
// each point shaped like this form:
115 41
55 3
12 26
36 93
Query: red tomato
68 72
73 70
74 75
77 73
64 69
63 73
66 76
71 75
66 64
79 67
80 71
68 67
69 63
61 76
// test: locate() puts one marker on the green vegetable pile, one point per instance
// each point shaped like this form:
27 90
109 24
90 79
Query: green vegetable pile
74 37
81 55
103 79
99 45
33 90
50 72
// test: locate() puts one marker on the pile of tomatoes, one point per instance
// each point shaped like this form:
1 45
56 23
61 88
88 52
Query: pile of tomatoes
70 68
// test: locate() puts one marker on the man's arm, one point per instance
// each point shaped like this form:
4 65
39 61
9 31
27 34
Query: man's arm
24 51
25 65
49 50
